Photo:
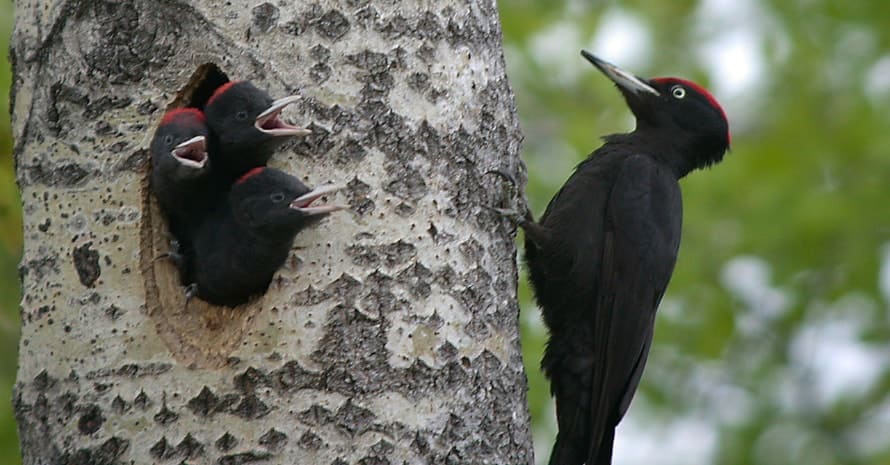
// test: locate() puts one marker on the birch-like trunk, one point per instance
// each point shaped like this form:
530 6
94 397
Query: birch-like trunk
390 336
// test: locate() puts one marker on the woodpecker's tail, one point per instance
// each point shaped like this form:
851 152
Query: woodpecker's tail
585 434
604 451
567 451
571 451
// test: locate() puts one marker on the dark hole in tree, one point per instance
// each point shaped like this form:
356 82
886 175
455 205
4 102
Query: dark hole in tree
200 87
209 78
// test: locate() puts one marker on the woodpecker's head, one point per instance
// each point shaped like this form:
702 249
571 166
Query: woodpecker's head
180 143
246 122
673 111
273 203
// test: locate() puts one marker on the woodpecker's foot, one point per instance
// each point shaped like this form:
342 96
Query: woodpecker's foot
504 175
175 245
174 253
519 214
190 291
177 258
179 261
517 217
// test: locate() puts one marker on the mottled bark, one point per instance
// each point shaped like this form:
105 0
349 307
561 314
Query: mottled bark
391 334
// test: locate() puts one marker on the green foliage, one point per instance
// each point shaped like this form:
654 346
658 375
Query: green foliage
10 252
803 194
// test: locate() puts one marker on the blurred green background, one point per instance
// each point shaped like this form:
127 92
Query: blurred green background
773 343
10 252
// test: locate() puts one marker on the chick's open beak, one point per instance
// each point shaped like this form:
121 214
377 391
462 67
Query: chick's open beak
269 120
303 203
192 153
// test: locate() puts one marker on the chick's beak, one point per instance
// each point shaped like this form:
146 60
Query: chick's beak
269 120
192 153
303 203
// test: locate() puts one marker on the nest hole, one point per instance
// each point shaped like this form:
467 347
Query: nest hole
204 81
199 334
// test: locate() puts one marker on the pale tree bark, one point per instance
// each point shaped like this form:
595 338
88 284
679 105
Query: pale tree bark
390 336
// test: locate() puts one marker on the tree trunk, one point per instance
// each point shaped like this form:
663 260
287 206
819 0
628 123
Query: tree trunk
390 336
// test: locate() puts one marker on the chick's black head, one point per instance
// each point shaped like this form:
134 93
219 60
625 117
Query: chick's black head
180 143
246 125
274 204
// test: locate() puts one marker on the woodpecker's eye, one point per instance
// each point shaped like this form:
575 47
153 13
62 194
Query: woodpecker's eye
678 92
277 197
241 115
168 139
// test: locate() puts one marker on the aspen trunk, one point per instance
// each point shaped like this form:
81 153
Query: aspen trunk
390 336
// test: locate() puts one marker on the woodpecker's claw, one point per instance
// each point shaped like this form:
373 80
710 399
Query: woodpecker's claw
175 257
190 291
303 202
175 254
269 122
518 218
504 175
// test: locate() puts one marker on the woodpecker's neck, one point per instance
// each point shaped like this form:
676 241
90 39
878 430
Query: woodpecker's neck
274 227
668 151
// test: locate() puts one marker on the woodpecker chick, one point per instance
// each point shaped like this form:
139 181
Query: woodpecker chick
246 128
179 173
248 237
601 255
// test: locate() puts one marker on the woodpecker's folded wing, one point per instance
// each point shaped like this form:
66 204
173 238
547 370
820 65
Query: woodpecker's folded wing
642 236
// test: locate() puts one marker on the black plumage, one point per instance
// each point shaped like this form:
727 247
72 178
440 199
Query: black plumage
249 236
602 254
246 128
180 176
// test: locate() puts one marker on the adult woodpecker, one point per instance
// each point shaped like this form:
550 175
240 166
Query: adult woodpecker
179 175
601 255
246 128
248 237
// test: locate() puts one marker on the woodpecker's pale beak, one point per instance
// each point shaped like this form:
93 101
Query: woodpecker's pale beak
626 81
269 122
303 202
192 153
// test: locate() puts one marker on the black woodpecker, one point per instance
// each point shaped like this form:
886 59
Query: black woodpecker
180 175
245 128
602 254
249 236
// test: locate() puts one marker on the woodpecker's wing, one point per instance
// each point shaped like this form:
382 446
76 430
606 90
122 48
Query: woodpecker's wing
642 236
563 253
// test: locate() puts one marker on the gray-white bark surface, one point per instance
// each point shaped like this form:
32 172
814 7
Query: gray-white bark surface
390 336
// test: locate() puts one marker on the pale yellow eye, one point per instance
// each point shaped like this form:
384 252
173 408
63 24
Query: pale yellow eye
678 92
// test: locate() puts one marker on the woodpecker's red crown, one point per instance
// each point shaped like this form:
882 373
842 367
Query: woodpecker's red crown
221 90
172 115
701 90
250 174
